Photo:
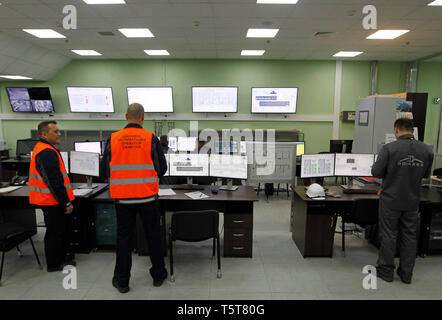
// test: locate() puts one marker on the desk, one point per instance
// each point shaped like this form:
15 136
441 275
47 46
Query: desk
81 221
11 166
237 207
313 222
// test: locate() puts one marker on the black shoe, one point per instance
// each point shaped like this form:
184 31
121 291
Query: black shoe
403 278
70 263
383 276
119 288
69 257
158 282
55 269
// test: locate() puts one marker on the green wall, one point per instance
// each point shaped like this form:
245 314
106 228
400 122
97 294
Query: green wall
315 79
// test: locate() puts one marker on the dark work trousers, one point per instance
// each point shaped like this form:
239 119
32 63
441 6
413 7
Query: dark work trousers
126 217
395 226
57 236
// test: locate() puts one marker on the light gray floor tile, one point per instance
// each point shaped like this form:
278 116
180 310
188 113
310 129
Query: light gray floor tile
46 291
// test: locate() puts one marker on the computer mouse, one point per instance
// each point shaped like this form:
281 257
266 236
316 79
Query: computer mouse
214 191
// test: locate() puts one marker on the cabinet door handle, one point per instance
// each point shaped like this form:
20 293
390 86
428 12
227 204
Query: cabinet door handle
238 234
238 248
238 221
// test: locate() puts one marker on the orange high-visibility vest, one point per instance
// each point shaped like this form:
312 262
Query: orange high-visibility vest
39 192
132 173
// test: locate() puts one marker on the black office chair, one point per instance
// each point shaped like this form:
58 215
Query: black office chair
194 226
12 235
364 212
437 172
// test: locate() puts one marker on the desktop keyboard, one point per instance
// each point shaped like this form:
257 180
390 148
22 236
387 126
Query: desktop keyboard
360 191
183 187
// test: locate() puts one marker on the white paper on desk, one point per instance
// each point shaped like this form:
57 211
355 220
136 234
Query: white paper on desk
82 192
166 192
196 195
8 189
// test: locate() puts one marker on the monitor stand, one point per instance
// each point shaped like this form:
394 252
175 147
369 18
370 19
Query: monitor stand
229 187
88 185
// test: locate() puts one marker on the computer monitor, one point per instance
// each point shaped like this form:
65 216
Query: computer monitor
90 99
300 148
274 100
153 99
189 165
173 143
228 166
88 146
317 165
65 157
85 163
226 146
215 99
35 99
353 165
25 146
187 143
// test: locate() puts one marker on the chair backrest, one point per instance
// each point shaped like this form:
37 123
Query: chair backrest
437 172
365 211
194 225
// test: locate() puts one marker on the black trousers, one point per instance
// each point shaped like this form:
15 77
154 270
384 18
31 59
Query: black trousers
395 225
126 217
56 236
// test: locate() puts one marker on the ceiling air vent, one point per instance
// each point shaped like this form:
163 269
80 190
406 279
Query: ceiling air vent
106 33
323 34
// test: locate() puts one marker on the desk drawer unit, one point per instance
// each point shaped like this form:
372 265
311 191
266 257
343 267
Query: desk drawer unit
238 235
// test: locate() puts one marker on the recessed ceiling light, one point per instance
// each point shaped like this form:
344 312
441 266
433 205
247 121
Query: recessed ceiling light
278 1
86 52
252 52
16 77
136 33
347 54
105 1
262 33
436 3
387 34
44 33
157 52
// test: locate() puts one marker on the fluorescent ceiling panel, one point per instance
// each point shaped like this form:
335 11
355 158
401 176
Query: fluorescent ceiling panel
252 52
387 34
44 33
136 33
105 1
16 77
262 33
86 52
347 54
157 52
278 1
436 3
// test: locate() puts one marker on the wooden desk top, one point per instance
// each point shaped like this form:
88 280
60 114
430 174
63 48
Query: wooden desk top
244 193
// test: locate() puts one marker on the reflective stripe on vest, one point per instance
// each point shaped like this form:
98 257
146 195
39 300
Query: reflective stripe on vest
132 173
39 192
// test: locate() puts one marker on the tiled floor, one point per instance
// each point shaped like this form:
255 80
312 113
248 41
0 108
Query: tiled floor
276 271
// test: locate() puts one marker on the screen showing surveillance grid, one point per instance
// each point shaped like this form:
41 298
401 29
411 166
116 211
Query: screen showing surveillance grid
30 99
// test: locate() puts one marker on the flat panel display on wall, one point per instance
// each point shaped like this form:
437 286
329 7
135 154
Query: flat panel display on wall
274 100
90 99
215 99
153 99
34 99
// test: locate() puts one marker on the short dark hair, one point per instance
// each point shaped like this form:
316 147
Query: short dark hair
163 140
404 124
44 126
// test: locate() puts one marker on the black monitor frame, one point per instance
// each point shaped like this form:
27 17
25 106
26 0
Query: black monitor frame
22 141
32 109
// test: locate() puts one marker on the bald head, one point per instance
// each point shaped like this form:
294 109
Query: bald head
135 113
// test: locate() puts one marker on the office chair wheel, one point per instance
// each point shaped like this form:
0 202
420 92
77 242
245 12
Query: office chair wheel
172 278
219 274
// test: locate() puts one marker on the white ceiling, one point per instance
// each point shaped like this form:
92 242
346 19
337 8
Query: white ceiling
221 33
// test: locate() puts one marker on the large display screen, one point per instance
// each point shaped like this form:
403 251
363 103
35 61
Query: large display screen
187 143
88 146
353 165
30 99
189 165
90 99
153 99
215 99
228 166
274 100
317 165
85 163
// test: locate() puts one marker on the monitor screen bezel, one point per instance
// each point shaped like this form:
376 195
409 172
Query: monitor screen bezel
158 112
225 176
353 154
237 96
251 101
27 88
88 87
321 176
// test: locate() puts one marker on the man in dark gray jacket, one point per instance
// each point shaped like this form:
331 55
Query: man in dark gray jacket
402 165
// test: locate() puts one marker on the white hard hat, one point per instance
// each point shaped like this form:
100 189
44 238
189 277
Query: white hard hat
315 191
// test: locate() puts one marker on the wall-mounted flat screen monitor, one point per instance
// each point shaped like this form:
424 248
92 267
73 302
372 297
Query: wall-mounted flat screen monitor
353 165
189 165
30 99
317 165
228 166
215 99
90 99
85 163
153 99
187 143
88 146
274 100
